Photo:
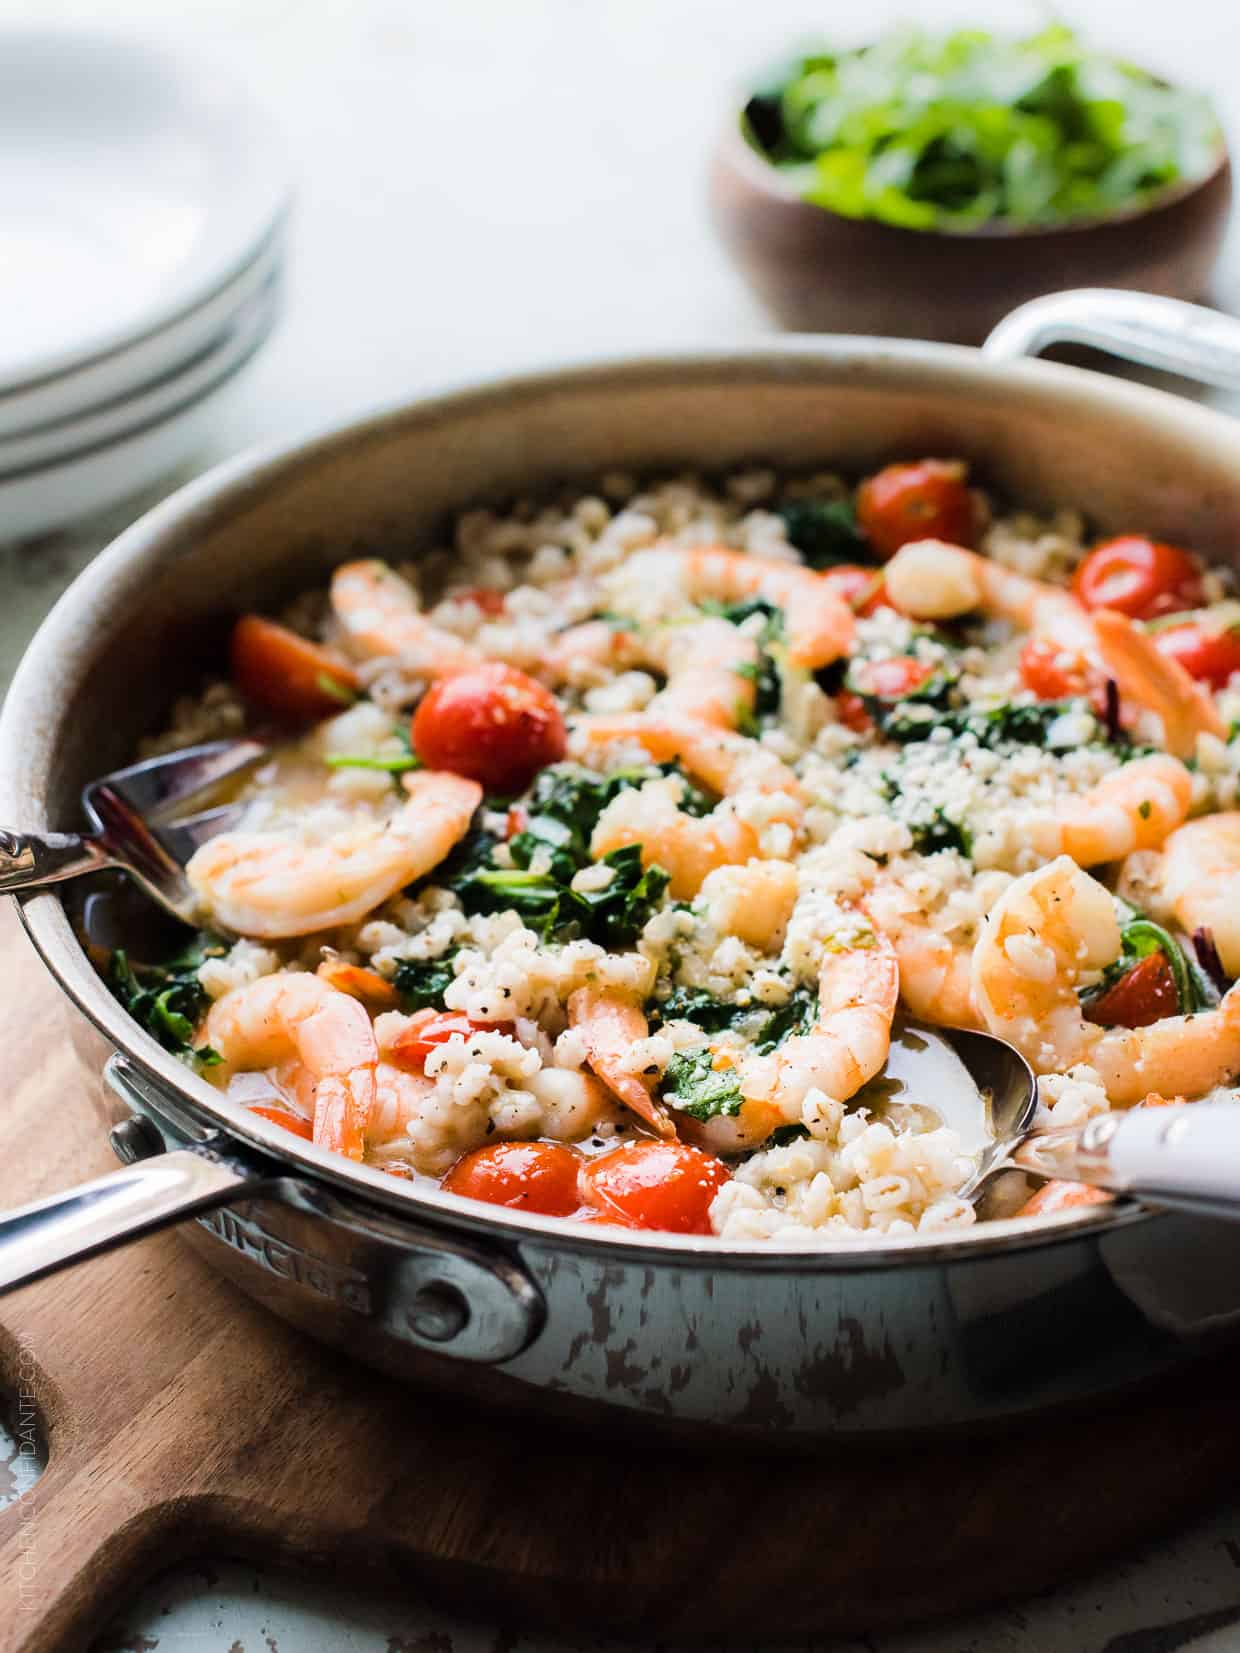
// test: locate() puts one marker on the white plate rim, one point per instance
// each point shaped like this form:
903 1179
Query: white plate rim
265 204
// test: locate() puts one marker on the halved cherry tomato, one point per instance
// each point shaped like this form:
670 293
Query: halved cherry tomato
529 1176
1139 577
927 500
1061 1196
851 712
661 1185
517 820
290 1121
1209 653
428 1028
1146 994
491 723
484 597
1053 673
891 679
287 676
863 589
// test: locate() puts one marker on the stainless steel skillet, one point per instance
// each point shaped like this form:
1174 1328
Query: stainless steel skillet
910 1335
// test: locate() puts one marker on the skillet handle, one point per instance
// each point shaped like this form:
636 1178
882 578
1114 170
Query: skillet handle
49 1234
1159 332
1186 1158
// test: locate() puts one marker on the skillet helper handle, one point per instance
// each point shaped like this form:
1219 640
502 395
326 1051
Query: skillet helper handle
31 860
1159 332
1186 1158
49 1234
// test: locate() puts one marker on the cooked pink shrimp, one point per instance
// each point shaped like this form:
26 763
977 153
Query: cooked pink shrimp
611 1025
297 1016
858 986
267 885
932 580
818 623
379 616
687 846
711 666
1049 931
1199 875
1134 807
936 970
1150 678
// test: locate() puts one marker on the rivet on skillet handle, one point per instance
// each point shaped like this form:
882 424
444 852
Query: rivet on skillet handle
1159 332
435 1290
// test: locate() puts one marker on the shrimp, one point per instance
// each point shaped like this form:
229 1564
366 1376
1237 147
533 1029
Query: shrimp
858 987
936 972
611 1025
379 617
711 666
690 847
264 885
1199 876
1045 934
1148 677
299 1017
1133 808
818 623
932 580
753 902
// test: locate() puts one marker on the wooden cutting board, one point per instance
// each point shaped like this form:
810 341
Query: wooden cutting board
182 1420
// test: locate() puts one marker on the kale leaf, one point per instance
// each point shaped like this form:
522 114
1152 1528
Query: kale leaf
692 1085
422 983
937 831
825 531
694 1004
168 999
613 916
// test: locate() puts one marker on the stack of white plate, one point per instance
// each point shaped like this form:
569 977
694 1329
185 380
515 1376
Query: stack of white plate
141 253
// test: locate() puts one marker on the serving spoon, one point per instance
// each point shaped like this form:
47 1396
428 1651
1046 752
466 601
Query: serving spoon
1186 1157
136 826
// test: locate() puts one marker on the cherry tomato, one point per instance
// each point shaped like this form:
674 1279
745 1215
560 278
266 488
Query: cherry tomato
1146 994
928 500
485 598
287 676
517 820
1209 653
850 710
530 1176
891 679
661 1185
288 1119
491 723
1053 673
1138 577
428 1028
1061 1196
863 589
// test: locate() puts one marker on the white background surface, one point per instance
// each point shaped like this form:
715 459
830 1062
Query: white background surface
486 183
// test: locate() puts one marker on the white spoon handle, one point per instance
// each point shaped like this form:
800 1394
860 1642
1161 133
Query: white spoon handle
1187 1157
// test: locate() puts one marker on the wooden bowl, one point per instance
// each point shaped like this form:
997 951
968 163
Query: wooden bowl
815 271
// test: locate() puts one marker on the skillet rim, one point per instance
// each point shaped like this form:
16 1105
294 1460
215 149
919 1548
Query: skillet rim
227 487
